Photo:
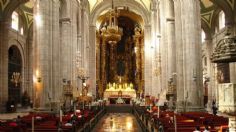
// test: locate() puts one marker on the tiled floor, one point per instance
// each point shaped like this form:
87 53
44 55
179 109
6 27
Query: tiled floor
117 122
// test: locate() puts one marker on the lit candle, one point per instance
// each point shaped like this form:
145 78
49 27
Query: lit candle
33 124
60 115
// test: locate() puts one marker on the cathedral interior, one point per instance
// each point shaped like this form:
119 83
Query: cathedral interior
89 65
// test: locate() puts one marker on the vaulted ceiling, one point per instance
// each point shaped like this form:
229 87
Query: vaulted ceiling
209 10
23 7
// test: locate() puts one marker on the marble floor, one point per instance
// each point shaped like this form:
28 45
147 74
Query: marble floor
117 122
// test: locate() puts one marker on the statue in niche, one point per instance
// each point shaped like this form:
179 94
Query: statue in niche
220 76
137 30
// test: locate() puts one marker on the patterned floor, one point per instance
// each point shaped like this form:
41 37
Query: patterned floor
117 122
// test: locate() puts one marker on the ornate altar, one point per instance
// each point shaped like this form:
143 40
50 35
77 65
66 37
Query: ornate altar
115 91
120 57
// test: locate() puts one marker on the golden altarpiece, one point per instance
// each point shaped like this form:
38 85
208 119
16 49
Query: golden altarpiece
119 54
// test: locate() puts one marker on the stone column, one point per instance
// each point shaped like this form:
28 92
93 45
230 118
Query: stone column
189 66
148 60
155 47
211 74
170 26
29 67
5 26
65 47
92 59
46 53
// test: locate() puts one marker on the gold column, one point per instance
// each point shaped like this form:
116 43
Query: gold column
138 77
112 61
98 59
103 65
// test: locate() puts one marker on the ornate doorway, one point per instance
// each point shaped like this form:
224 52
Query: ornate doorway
14 74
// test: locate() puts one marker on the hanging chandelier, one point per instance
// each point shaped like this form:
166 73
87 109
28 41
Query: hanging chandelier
16 78
112 32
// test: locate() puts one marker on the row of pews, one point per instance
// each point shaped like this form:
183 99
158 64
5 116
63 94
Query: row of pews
169 121
81 121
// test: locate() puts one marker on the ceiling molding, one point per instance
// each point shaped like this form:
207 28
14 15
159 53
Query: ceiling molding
29 18
207 17
3 4
231 3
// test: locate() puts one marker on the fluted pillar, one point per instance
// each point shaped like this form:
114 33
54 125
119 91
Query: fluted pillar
148 60
92 60
5 26
65 47
156 84
46 52
189 66
170 26
211 85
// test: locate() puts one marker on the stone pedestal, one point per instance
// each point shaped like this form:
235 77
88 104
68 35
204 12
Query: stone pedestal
227 98
232 124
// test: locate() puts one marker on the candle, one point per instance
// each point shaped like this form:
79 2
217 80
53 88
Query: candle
158 114
89 106
60 115
74 108
33 124
175 123
83 105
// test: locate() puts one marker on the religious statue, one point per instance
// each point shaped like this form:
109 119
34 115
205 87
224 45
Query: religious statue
120 93
137 30
85 90
220 76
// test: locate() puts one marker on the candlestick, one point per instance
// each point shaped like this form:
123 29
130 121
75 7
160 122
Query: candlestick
83 105
33 124
74 108
175 123
60 115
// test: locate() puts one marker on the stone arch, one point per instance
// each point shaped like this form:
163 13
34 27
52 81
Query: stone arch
229 14
15 64
20 46
13 5
206 29
133 5
101 8
16 43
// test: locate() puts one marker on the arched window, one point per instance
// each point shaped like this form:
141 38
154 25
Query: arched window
203 36
21 31
221 20
15 21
